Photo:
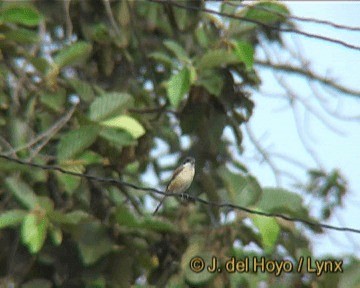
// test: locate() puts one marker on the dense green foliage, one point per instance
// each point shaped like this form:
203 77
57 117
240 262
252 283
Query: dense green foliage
145 74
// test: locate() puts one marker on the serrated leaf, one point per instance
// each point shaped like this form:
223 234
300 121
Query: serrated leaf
108 105
33 231
217 58
178 51
22 191
126 123
177 87
82 88
269 230
245 52
24 15
11 218
74 53
76 141
54 101
117 138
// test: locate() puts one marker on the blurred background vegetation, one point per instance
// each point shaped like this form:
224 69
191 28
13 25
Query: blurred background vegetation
109 88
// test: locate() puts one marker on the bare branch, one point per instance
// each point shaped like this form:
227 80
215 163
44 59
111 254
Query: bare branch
264 154
285 67
286 30
304 19
68 23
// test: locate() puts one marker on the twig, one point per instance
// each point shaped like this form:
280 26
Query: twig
68 22
47 134
285 67
290 30
264 155
182 195
304 19
111 16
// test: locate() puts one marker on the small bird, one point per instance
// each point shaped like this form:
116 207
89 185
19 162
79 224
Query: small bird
181 179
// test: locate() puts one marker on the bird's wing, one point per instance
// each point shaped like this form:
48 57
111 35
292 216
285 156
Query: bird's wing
176 172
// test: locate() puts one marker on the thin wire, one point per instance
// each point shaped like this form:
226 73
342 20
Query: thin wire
310 35
298 18
196 199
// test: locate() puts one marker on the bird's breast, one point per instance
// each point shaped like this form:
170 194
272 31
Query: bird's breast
182 181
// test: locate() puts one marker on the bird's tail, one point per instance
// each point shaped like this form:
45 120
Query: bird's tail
158 206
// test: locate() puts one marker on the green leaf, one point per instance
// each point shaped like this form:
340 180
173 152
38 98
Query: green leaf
351 276
74 53
46 203
126 123
22 191
24 15
161 57
56 235
201 36
269 230
156 224
109 104
54 101
93 241
211 81
178 51
11 218
124 217
90 157
33 231
82 88
41 64
177 87
267 17
242 190
22 36
281 201
71 218
69 183
201 278
245 52
76 141
117 138
217 58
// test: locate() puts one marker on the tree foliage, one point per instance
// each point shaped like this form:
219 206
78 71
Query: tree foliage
102 87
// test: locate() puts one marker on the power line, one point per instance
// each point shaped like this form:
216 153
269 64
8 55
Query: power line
196 199
297 18
289 30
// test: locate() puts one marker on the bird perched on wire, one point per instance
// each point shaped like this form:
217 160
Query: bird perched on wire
181 179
